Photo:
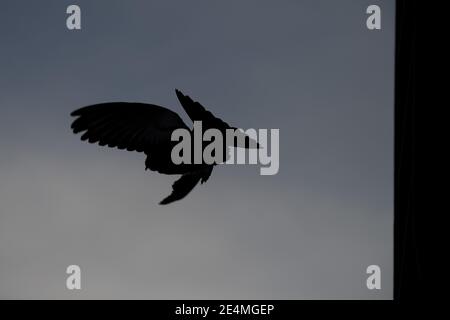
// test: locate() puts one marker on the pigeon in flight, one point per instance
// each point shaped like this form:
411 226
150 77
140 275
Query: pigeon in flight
148 128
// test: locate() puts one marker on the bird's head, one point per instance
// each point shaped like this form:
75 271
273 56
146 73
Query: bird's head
243 140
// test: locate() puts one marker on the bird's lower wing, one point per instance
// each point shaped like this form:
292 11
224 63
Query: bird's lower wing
185 184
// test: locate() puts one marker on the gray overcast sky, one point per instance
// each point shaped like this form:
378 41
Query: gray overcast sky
310 68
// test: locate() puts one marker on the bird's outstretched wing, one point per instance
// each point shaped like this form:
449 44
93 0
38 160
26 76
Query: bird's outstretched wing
197 112
131 126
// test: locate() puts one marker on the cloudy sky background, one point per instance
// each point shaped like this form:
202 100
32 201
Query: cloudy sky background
310 68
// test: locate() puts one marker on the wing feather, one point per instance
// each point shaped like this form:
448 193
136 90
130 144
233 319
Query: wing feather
197 112
131 126
182 187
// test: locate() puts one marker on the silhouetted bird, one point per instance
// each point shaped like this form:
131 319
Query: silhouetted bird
148 128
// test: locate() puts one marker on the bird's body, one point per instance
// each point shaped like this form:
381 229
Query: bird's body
148 128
